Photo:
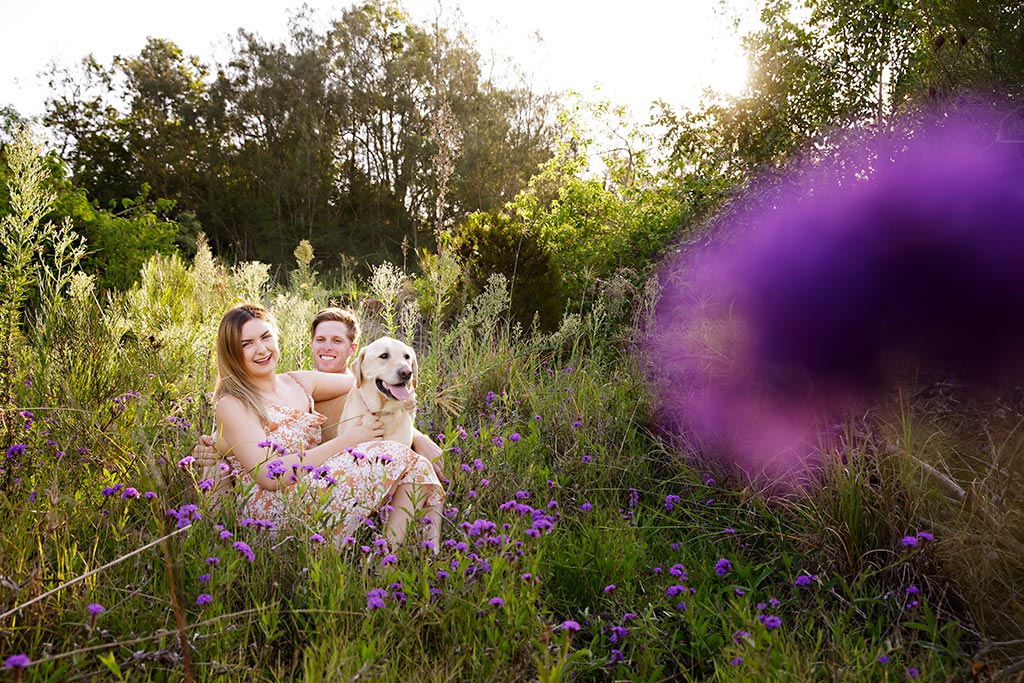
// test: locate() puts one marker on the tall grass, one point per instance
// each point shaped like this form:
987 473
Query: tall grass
579 543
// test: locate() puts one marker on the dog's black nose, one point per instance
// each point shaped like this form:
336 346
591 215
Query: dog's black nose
404 374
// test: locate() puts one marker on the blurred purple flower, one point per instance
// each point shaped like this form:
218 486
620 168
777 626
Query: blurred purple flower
895 255
17 662
204 599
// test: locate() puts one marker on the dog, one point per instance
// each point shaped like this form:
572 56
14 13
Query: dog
386 374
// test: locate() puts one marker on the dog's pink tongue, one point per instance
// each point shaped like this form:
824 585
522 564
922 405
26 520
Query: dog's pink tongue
399 392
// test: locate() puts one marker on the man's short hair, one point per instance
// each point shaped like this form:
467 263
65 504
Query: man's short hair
341 315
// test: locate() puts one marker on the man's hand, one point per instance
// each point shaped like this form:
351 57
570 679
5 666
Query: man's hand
424 445
207 457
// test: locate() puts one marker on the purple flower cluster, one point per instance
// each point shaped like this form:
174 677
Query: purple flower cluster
244 550
185 515
375 598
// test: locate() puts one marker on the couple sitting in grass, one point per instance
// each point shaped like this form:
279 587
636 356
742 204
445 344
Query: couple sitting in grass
278 433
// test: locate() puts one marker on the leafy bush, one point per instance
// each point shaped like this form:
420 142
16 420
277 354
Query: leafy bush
120 242
488 243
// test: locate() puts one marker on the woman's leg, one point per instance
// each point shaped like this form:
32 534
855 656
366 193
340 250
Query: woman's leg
406 501
403 511
432 518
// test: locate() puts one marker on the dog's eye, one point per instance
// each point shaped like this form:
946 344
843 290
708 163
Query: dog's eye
407 356
384 356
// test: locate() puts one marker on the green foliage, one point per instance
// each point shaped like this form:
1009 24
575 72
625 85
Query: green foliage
325 137
546 437
38 257
121 241
488 243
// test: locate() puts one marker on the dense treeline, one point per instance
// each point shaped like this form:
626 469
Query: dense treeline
330 137
373 135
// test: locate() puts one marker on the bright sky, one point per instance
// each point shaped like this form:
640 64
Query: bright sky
634 51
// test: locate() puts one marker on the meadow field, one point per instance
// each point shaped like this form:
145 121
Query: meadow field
582 539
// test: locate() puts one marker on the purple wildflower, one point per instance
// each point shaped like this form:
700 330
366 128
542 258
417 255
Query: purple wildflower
17 662
570 625
723 567
375 598
95 609
909 542
244 550
496 602
204 599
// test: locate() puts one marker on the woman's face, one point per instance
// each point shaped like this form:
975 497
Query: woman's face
259 347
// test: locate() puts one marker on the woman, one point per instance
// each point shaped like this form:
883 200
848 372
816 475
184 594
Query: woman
269 432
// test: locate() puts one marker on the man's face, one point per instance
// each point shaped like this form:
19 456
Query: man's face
331 346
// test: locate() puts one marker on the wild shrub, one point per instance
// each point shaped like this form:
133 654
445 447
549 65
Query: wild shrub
496 243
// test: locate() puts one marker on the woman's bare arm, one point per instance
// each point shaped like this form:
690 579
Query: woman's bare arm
323 386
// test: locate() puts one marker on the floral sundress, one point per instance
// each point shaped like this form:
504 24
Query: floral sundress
350 486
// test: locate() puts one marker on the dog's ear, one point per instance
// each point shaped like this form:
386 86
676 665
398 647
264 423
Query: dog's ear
357 367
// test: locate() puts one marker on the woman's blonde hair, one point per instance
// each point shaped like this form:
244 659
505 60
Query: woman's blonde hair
232 377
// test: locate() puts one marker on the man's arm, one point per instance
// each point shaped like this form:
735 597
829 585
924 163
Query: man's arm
425 446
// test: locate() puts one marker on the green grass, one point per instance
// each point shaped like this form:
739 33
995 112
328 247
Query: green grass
586 495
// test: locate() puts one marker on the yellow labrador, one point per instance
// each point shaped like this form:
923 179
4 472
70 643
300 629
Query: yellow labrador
386 374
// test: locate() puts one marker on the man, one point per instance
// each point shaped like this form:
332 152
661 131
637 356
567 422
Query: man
334 338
